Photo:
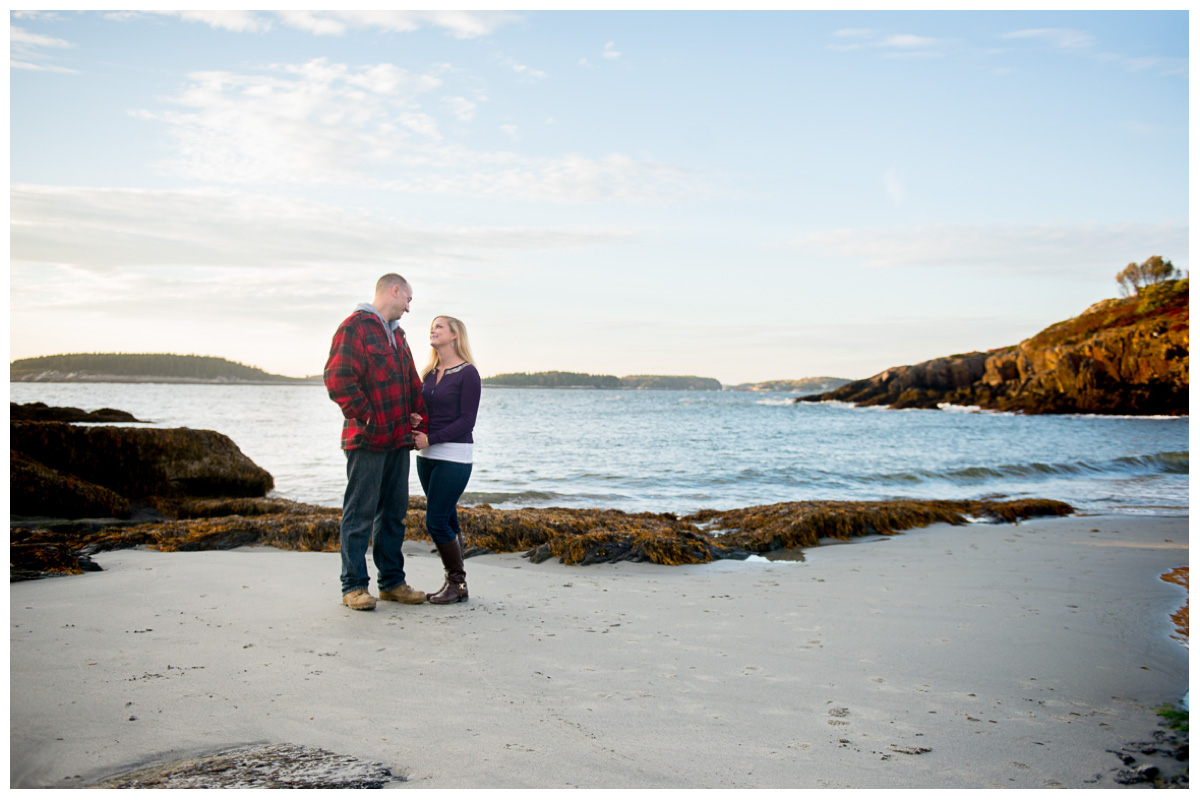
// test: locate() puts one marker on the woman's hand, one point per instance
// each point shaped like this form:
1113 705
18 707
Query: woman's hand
415 419
422 441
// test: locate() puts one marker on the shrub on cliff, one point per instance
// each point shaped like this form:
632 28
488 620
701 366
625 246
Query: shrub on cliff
1136 277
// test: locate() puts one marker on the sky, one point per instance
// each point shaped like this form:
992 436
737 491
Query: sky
747 196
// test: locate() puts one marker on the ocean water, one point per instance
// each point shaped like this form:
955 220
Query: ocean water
683 451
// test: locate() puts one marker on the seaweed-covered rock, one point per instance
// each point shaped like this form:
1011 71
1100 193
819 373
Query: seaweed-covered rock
762 529
40 412
34 554
37 490
575 536
142 463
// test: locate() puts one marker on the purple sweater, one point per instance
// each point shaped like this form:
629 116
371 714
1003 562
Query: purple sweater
452 403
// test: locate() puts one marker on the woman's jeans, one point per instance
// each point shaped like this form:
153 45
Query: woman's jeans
443 482
376 498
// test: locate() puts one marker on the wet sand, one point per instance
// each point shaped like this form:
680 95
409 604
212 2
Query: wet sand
1009 656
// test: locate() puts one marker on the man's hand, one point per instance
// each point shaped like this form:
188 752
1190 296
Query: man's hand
414 419
422 441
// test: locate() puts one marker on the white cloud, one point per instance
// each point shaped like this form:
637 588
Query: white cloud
236 21
1164 66
328 123
894 186
896 45
112 231
1081 43
17 14
1058 38
1081 249
908 41
26 50
14 64
459 24
462 108
22 36
610 51
527 73
914 54
317 122
1141 128
510 131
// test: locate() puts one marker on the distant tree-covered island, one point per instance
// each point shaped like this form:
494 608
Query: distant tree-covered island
582 380
802 385
140 368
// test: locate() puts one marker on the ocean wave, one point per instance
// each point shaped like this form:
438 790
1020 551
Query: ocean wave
1173 463
951 408
494 498
535 498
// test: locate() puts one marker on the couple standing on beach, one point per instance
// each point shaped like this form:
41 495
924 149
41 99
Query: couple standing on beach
390 408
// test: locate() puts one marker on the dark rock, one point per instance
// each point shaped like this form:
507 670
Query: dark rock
275 766
35 489
143 463
1162 763
32 560
40 412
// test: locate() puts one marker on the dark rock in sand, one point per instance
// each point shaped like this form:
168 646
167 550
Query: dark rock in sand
40 412
30 557
274 766
1159 764
140 463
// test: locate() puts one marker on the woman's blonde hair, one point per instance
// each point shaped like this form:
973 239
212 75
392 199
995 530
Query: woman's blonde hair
461 345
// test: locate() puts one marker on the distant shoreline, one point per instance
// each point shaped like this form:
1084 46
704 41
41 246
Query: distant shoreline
317 381
164 379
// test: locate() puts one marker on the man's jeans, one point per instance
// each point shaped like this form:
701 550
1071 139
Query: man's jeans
443 482
376 494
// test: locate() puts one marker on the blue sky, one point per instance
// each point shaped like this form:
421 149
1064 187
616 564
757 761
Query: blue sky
745 196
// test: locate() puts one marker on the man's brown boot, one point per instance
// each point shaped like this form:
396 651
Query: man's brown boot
359 600
403 594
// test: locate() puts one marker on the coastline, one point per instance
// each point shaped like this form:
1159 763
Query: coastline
1013 656
314 381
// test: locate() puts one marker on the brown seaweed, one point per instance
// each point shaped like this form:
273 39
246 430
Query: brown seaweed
575 536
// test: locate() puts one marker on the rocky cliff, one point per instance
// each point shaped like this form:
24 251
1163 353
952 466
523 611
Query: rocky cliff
1121 356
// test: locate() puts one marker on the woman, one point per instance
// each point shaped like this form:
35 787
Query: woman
451 387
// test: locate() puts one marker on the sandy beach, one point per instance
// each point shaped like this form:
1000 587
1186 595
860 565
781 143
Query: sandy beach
1006 656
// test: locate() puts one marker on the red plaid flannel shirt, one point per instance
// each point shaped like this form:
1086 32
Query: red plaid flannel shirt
375 384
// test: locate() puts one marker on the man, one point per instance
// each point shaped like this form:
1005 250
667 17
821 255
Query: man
371 375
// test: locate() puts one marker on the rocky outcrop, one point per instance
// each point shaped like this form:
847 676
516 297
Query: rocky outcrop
67 471
38 490
1127 356
40 412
